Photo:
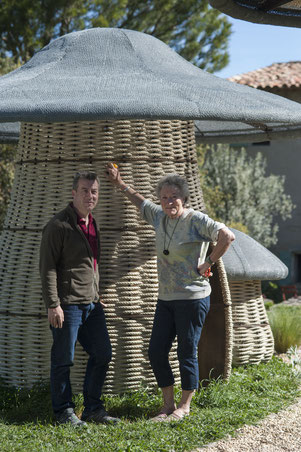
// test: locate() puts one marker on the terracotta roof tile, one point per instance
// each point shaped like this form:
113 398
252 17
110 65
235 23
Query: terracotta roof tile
278 75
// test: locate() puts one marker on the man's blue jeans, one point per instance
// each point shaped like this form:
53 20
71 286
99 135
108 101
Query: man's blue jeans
85 323
184 319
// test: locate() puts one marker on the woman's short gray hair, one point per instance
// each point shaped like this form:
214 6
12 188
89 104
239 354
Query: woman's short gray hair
176 180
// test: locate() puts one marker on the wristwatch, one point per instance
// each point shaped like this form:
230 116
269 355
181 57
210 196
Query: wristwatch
209 260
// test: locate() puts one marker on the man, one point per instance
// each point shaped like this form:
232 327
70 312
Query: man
69 257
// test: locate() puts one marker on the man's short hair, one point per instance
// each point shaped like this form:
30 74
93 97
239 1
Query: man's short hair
89 175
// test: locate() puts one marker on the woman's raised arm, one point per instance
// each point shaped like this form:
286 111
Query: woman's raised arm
113 174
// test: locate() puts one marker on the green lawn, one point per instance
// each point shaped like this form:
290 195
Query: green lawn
218 409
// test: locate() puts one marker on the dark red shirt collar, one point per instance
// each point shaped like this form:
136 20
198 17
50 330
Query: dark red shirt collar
90 233
81 221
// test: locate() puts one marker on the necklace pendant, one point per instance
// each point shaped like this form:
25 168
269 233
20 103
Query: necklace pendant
166 252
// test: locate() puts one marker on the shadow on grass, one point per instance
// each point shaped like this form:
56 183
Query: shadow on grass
22 405
133 413
141 404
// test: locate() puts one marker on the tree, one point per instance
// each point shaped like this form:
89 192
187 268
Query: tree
196 31
7 65
238 192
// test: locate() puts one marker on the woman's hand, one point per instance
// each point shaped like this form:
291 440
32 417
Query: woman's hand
113 174
205 270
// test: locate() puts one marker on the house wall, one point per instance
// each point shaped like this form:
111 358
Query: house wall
284 158
289 93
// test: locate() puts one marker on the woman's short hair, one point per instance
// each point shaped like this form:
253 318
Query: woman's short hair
89 175
176 180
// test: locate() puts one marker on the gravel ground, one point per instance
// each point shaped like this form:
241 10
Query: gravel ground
279 432
276 433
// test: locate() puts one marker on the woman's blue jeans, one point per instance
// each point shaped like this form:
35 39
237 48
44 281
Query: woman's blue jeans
184 319
85 323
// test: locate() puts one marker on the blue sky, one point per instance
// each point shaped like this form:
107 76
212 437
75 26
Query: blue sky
253 46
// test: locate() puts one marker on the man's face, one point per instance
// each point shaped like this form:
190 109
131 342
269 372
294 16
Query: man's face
85 197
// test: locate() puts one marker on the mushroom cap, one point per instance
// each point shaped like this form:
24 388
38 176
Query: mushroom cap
111 73
246 259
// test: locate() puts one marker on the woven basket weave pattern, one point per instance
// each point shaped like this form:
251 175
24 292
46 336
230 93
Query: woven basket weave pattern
48 157
227 309
253 340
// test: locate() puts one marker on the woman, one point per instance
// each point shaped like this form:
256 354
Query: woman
182 239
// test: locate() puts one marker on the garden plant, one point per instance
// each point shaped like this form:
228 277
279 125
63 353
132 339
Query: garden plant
285 321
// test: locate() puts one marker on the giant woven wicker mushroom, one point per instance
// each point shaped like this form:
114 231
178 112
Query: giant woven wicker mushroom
88 98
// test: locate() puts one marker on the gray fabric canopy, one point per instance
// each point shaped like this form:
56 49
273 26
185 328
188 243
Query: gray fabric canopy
247 259
9 132
272 12
106 73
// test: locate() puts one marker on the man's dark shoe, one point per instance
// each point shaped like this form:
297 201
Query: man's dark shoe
99 416
68 416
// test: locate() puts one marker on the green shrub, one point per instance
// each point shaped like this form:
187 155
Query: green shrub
285 323
268 304
272 291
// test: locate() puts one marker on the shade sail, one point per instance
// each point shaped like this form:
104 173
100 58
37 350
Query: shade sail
272 12
106 73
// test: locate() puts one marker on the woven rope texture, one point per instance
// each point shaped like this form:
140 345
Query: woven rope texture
253 340
227 303
48 157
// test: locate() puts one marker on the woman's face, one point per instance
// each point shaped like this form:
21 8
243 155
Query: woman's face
172 201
